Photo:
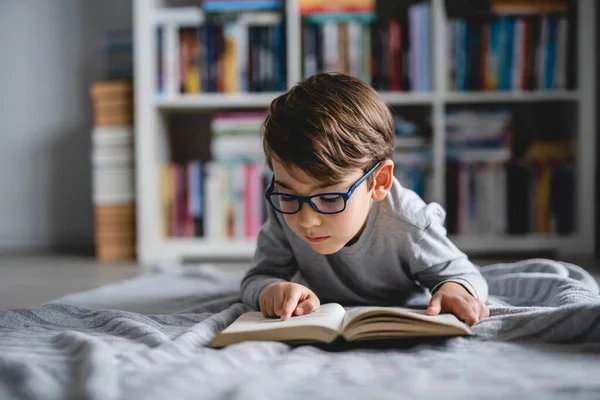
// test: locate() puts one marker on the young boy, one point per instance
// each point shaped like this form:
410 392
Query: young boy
340 227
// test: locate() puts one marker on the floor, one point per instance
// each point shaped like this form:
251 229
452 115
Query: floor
30 280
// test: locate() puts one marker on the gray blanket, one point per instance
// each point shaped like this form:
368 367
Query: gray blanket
146 339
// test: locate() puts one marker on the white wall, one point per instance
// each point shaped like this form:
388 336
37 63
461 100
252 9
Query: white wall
49 54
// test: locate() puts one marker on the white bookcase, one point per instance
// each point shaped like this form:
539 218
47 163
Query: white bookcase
152 150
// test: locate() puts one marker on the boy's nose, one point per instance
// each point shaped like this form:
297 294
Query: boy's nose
308 217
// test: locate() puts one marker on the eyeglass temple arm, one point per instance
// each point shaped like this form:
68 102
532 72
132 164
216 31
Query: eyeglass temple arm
361 180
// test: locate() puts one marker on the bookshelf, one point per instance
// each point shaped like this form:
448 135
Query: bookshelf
152 145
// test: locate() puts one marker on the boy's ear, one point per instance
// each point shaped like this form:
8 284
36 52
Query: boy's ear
384 177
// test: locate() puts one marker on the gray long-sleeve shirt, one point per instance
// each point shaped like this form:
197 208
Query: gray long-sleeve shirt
403 250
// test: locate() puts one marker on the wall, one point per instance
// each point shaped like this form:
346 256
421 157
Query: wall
49 54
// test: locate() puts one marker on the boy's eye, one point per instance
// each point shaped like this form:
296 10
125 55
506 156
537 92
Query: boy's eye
330 199
283 198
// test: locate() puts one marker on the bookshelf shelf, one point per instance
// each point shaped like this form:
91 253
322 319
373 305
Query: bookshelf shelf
216 100
510 97
152 147
407 98
521 243
262 100
205 249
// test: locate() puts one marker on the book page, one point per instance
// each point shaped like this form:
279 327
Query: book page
359 315
322 325
328 316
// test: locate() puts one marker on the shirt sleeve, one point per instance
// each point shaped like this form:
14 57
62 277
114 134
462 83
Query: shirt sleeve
437 260
273 261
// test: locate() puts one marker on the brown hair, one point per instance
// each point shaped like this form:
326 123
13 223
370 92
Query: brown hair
327 125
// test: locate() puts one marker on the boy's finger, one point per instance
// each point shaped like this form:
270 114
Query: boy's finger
435 305
270 306
465 312
484 312
279 302
263 306
309 305
291 300
476 307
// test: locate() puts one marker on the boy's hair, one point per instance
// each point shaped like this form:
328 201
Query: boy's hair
327 125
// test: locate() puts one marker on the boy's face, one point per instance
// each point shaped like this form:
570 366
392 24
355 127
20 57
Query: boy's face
326 234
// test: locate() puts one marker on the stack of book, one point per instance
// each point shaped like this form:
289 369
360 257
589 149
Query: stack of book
524 47
412 156
113 170
388 47
221 198
221 52
477 152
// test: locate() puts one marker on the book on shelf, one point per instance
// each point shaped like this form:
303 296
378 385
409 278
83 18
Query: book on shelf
238 6
524 7
333 322
227 53
512 51
312 7
389 49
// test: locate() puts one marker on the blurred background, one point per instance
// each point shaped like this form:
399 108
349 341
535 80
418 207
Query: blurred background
131 129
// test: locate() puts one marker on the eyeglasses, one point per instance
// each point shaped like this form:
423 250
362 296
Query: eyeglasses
323 203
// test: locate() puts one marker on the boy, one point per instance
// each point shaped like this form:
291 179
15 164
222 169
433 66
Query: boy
339 225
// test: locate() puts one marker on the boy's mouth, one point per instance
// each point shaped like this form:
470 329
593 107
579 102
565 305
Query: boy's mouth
317 239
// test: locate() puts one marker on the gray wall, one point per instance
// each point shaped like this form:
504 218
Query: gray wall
49 54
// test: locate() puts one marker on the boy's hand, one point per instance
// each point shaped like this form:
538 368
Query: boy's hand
287 299
454 298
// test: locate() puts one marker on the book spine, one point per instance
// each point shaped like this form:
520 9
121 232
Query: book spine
256 196
240 217
160 85
560 77
354 49
212 201
366 54
171 59
463 199
200 204
485 57
231 72
542 50
451 55
395 40
330 48
550 66
277 57
517 61
425 43
342 49
310 50
248 200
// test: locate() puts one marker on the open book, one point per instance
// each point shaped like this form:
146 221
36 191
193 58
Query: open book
332 321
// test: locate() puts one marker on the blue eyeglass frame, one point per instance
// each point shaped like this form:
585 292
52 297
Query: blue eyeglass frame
301 200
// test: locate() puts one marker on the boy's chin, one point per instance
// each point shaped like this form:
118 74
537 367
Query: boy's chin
326 248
